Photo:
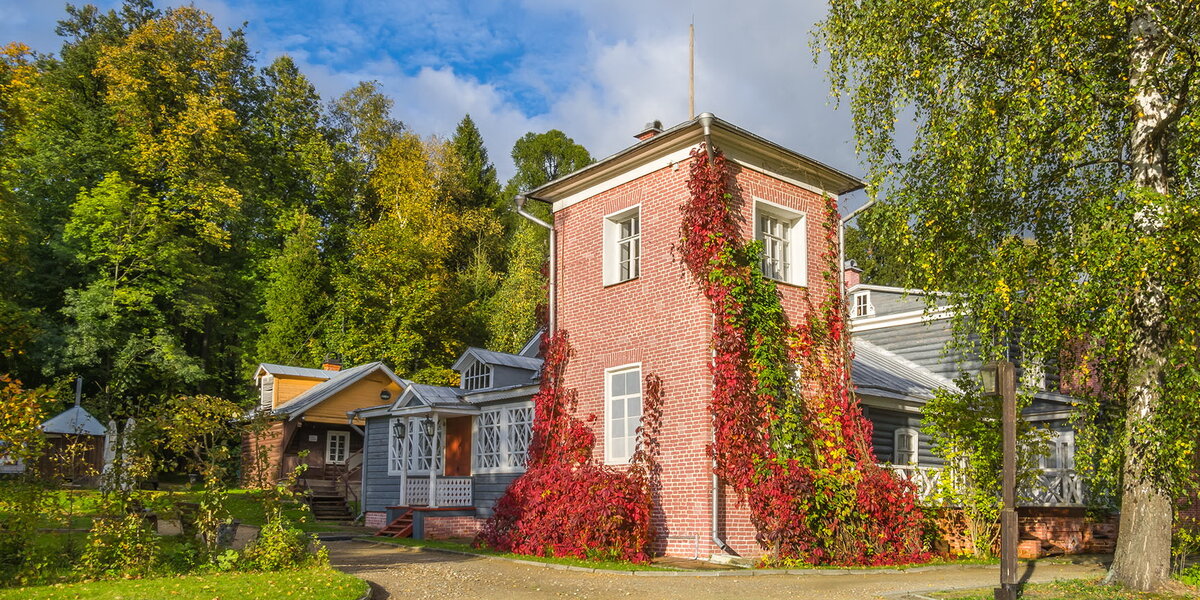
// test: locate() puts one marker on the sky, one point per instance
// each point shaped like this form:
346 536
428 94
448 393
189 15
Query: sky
599 71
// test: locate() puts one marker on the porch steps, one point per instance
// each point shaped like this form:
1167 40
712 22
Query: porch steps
326 501
402 526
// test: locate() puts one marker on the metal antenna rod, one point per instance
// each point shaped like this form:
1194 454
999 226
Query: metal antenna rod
692 69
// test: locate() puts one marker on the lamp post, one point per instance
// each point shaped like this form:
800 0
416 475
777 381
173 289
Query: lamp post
1000 378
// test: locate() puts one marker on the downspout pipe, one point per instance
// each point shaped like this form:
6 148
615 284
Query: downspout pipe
842 239
705 121
553 284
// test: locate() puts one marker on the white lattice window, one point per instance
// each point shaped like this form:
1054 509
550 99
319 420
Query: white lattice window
477 377
267 391
489 432
520 432
425 452
623 246
905 452
623 412
862 305
337 447
397 436
781 232
502 436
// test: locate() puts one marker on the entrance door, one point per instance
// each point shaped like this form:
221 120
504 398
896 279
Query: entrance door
337 446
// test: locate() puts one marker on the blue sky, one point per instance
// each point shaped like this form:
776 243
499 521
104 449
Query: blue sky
596 70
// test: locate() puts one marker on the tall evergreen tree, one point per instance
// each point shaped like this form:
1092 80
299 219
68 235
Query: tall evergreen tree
297 300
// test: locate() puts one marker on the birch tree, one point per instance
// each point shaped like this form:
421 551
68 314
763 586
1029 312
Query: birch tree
1051 189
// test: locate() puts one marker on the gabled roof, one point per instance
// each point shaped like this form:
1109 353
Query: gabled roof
502 359
340 381
726 136
434 397
877 372
74 421
293 371
533 347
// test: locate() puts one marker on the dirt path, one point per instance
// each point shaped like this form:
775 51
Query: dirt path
401 573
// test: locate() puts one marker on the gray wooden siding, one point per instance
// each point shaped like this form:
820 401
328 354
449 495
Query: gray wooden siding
381 490
883 438
890 303
506 376
922 343
488 489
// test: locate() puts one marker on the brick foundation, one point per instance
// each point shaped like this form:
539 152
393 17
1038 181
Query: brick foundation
376 520
441 528
1043 532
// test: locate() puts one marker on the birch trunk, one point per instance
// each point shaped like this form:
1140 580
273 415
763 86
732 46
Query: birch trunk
1143 552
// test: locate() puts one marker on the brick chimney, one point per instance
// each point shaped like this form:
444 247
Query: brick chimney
652 129
332 363
853 273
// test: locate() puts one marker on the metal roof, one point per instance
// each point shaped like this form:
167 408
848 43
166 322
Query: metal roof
436 395
502 359
877 372
294 371
340 380
74 421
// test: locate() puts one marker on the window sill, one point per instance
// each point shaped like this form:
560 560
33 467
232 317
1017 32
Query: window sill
615 283
787 283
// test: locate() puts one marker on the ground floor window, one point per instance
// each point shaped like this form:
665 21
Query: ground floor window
409 445
502 435
337 446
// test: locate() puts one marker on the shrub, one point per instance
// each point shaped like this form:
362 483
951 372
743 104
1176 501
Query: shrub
122 546
281 546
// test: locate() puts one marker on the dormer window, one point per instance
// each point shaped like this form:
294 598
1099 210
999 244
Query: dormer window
477 377
266 387
862 305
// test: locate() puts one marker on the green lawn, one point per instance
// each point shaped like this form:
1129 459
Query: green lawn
319 583
1073 590
608 565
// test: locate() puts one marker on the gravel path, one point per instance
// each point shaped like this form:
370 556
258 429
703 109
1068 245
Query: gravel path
402 573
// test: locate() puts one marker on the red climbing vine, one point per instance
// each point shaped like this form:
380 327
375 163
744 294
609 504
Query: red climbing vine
566 504
798 452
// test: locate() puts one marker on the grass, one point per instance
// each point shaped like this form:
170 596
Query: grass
1079 589
607 565
321 583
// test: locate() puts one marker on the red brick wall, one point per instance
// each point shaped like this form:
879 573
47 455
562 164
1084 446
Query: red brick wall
662 321
375 520
441 528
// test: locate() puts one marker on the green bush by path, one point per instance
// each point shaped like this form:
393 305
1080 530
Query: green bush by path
318 583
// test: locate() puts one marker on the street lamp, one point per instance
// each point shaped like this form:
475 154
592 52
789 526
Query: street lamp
427 427
398 429
1000 378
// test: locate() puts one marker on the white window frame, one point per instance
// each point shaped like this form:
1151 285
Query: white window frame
509 458
266 392
478 372
1062 452
344 436
868 308
613 242
398 453
610 455
914 449
794 223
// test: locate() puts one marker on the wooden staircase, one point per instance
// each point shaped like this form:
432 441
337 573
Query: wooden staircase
402 526
327 501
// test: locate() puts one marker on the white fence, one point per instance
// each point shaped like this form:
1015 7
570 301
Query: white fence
451 491
1054 487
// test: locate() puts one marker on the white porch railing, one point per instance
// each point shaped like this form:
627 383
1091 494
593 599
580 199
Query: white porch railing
1054 487
451 491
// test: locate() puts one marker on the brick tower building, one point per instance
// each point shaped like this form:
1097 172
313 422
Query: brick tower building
631 308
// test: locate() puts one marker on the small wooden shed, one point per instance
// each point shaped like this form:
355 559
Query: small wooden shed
74 445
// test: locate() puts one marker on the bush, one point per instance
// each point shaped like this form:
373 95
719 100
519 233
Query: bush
123 546
281 546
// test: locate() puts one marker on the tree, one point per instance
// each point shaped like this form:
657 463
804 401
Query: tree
543 157
296 299
1051 189
878 268
478 175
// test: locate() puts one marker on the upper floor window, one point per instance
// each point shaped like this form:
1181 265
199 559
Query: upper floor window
781 232
623 412
622 246
862 305
905 452
477 377
267 391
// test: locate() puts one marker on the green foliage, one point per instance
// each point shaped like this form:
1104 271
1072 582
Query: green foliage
965 432
1185 544
120 546
297 298
321 583
544 157
279 546
878 268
